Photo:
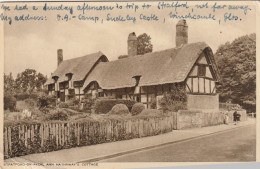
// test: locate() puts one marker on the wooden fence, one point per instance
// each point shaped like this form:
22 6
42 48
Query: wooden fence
35 138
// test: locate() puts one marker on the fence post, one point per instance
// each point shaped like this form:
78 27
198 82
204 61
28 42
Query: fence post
5 143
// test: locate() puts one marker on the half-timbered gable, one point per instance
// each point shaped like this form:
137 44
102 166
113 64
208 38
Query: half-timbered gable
201 79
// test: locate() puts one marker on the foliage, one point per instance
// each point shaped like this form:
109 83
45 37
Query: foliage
236 62
174 100
57 114
31 102
150 112
88 103
22 96
63 105
137 108
105 105
119 109
46 101
144 44
29 80
9 84
73 101
153 103
9 101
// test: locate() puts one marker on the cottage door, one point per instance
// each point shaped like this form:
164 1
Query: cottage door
62 96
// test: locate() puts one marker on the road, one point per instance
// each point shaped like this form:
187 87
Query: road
235 145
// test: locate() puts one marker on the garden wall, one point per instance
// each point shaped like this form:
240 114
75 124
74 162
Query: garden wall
195 119
203 102
36 138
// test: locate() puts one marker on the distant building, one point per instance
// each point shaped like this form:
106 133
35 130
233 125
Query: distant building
142 77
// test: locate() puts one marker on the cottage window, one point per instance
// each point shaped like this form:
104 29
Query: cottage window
100 94
201 70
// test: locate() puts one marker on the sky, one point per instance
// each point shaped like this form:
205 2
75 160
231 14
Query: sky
34 44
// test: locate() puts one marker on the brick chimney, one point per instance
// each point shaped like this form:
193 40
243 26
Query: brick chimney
59 56
132 44
181 33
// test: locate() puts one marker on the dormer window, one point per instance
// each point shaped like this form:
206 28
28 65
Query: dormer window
55 78
69 77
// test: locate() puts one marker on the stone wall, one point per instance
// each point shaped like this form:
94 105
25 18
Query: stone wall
203 102
197 118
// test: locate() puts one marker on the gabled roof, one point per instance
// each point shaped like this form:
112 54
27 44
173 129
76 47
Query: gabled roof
162 67
79 67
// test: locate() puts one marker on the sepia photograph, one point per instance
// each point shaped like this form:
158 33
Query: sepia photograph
92 83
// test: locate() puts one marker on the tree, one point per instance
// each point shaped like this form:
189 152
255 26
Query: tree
9 83
29 80
41 79
144 44
237 65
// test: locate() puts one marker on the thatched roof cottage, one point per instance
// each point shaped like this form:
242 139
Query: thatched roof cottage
142 77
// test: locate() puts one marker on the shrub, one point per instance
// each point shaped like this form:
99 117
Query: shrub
150 112
31 102
175 100
22 96
34 96
137 108
153 103
63 105
9 101
73 101
58 115
88 104
46 101
119 109
46 110
105 105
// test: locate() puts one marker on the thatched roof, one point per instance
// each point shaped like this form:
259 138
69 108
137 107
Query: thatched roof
162 67
79 67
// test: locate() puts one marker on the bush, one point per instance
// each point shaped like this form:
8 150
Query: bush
22 96
119 109
153 103
31 102
105 105
88 104
46 110
58 115
63 105
74 101
150 112
46 101
175 100
34 96
137 108
9 101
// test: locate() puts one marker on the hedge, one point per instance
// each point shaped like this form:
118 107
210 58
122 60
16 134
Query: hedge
9 102
105 105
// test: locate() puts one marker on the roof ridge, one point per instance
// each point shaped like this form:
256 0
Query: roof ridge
84 56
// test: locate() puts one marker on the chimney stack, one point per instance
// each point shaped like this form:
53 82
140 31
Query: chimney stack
59 56
181 33
132 44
